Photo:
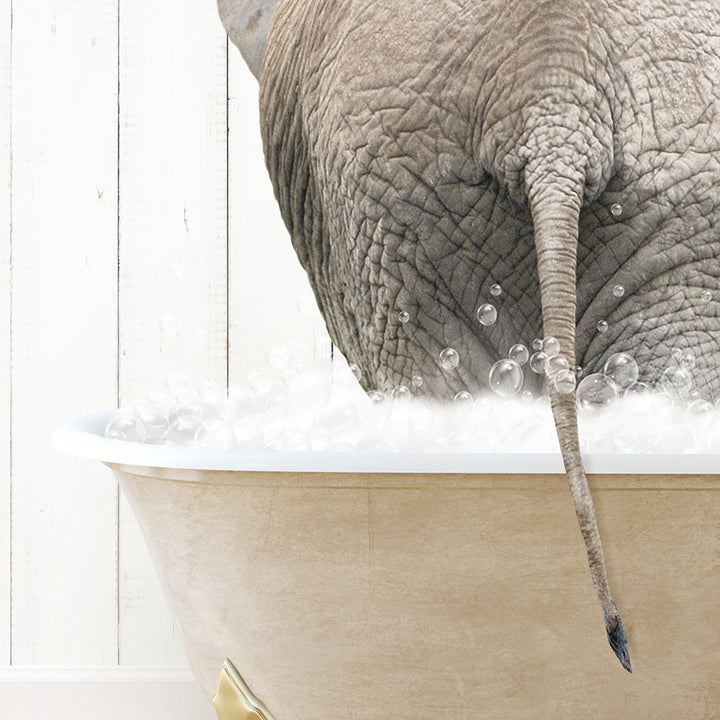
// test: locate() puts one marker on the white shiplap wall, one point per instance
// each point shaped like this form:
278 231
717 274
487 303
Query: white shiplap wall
173 121
64 345
4 331
138 236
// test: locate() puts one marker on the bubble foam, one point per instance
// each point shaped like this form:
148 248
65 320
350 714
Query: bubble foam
291 407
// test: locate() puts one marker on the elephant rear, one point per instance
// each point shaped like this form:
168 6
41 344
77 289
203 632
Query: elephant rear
424 154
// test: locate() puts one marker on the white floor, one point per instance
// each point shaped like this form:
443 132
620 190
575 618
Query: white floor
107 693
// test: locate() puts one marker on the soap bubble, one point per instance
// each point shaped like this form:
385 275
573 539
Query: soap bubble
463 400
271 432
564 381
538 362
247 432
183 429
122 426
309 391
637 399
596 395
551 346
249 420
376 396
356 371
706 295
152 425
506 378
519 353
556 364
598 437
495 289
687 360
180 387
483 406
602 326
162 401
713 437
217 435
277 402
542 407
537 344
662 403
676 381
140 405
677 354
404 316
578 371
622 369
346 418
618 291
194 407
626 438
401 392
700 409
487 314
449 359
616 209
229 408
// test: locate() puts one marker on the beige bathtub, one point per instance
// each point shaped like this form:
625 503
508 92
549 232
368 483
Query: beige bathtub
354 587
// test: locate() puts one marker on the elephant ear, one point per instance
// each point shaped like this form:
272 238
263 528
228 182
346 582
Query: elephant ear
246 23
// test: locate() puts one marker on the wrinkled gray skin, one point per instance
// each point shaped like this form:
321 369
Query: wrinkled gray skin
421 150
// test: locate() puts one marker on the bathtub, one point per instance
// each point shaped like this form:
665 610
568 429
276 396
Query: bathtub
358 587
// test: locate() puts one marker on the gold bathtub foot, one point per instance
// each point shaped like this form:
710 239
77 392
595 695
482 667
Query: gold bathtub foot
233 699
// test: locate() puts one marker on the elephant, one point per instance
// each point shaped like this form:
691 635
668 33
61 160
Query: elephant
567 151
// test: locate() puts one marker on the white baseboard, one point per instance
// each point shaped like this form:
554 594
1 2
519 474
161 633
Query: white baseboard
101 693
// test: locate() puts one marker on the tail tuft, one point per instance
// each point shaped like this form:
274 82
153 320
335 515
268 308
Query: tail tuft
618 640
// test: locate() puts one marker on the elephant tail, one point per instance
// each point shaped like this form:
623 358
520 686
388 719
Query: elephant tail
555 196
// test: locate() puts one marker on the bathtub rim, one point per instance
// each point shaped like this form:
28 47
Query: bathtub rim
83 437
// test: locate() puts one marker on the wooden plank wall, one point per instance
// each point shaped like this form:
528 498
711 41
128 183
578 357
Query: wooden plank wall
143 242
64 349
173 245
5 497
